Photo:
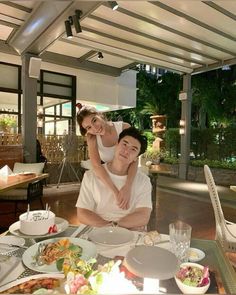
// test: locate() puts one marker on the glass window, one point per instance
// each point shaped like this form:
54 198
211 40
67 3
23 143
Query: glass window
10 77
66 109
8 123
58 110
49 128
62 127
57 90
49 111
56 78
8 102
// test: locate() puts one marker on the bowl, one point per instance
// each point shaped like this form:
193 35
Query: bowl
186 289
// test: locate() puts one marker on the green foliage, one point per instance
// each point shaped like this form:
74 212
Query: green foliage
214 164
7 122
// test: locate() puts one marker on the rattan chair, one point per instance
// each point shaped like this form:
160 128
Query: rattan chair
225 230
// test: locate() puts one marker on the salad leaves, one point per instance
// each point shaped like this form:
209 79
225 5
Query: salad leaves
194 276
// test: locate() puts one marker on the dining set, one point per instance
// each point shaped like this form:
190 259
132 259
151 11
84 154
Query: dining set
18 252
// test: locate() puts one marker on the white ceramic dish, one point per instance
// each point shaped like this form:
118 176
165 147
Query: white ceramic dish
185 289
195 255
111 236
4 241
61 224
27 279
89 250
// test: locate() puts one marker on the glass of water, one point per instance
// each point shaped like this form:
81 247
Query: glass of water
180 237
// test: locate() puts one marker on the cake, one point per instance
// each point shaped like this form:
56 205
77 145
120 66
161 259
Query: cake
38 222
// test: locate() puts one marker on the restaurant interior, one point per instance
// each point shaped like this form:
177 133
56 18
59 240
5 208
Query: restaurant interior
56 54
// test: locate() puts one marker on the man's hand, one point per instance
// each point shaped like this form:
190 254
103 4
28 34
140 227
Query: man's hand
123 197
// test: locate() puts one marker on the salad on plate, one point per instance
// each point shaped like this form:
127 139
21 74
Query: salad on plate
194 276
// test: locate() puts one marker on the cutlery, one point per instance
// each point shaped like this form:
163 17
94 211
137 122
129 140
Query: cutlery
12 245
78 232
137 240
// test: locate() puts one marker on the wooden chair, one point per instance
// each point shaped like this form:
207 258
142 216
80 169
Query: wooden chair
225 230
26 194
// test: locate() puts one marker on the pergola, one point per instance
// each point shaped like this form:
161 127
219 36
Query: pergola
184 36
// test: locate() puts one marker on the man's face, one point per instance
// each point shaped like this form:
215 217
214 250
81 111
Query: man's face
128 149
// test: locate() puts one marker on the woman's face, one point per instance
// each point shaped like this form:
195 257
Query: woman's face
94 125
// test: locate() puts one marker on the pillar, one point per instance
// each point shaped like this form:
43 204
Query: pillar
29 111
185 138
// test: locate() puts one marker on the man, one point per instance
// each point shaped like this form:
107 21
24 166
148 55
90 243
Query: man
96 205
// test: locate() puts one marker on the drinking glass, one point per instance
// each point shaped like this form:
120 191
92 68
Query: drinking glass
180 237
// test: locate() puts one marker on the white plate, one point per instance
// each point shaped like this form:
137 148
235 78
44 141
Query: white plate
195 255
61 224
111 236
34 277
89 250
4 249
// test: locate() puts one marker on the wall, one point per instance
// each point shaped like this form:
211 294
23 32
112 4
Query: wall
116 92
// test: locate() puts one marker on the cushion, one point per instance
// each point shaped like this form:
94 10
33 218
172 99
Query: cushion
28 167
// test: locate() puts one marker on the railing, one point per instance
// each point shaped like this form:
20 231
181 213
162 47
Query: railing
53 146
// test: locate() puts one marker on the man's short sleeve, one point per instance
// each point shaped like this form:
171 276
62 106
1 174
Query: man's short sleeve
144 192
85 199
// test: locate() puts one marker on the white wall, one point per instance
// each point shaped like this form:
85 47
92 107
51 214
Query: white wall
115 92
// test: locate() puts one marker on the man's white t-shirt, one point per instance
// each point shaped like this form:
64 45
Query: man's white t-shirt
96 197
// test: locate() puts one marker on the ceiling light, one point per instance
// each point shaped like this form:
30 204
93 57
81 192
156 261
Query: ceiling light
76 21
114 5
100 55
68 29
226 68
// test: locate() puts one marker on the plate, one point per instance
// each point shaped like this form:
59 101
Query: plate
111 236
89 250
151 262
27 279
61 224
4 249
195 255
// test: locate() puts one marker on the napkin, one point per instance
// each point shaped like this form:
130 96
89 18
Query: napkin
4 172
11 269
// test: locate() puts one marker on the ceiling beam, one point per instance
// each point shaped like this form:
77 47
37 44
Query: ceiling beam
220 9
193 20
18 6
174 31
87 55
46 24
135 56
214 66
73 62
171 44
112 37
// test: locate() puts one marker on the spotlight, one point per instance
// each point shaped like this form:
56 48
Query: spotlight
76 21
114 5
68 29
100 55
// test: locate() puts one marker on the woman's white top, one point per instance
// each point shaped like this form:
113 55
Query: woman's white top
107 152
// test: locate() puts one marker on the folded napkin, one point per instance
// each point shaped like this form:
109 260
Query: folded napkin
4 172
10 269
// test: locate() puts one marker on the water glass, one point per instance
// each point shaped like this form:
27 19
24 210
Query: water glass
180 237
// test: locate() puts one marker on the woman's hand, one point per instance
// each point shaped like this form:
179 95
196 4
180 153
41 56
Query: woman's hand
123 197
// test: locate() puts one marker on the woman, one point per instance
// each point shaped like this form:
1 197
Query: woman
102 137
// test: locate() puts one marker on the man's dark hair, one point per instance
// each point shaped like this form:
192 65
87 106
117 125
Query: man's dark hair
135 133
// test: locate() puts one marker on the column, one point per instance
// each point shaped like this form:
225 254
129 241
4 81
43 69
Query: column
29 111
186 117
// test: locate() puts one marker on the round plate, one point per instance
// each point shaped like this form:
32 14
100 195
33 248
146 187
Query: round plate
27 279
61 224
195 255
111 236
151 262
89 250
4 248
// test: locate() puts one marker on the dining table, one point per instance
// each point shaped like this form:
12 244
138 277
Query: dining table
223 276
19 180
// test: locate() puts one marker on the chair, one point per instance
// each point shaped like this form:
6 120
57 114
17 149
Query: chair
26 194
225 230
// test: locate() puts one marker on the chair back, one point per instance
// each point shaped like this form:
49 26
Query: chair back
219 215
